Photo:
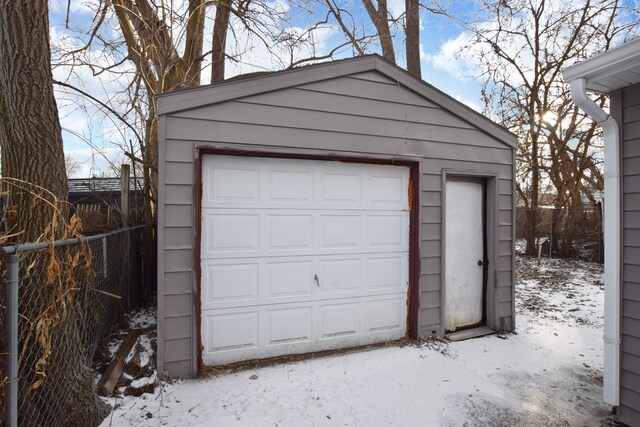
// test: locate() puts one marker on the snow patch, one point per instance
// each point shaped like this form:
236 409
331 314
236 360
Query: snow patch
548 373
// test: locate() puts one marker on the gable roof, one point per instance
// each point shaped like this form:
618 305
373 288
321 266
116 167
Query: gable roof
610 70
88 186
187 99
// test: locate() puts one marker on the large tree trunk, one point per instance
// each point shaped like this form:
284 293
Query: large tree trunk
30 137
218 47
33 158
412 30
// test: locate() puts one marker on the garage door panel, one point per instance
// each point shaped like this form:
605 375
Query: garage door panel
231 233
286 279
231 331
340 231
289 232
386 314
286 326
285 329
291 279
388 191
292 185
239 184
387 231
339 276
388 273
341 188
339 320
231 283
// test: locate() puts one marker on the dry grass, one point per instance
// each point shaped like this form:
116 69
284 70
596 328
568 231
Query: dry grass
58 270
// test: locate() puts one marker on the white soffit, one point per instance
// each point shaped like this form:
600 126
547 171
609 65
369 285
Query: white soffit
608 71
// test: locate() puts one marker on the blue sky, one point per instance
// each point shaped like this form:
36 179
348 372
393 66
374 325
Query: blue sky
440 39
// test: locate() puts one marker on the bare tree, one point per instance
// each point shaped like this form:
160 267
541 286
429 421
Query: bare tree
154 52
71 165
521 47
386 27
160 48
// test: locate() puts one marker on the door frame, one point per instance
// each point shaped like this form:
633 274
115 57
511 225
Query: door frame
413 293
491 242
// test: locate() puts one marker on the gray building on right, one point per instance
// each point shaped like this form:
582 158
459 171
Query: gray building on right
617 74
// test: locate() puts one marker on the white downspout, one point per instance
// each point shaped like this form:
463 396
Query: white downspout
612 239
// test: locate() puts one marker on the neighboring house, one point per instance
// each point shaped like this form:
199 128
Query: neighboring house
330 206
100 190
96 201
617 73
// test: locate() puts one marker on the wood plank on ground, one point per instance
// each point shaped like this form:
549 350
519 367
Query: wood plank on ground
111 376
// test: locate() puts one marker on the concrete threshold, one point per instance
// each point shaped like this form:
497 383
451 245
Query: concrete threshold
466 334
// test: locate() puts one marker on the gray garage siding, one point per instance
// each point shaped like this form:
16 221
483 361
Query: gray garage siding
368 114
630 355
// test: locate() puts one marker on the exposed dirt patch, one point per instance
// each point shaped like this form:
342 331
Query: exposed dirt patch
545 399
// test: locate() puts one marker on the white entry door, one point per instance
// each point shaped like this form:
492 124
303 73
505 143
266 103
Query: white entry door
300 256
464 254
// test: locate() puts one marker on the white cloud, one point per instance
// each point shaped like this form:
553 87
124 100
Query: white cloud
75 6
279 6
449 57
396 7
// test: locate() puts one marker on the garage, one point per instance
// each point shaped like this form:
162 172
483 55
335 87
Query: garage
301 256
331 206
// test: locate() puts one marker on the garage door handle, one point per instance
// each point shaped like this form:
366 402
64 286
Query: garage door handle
315 277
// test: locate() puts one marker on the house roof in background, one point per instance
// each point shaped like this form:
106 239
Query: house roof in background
101 185
610 70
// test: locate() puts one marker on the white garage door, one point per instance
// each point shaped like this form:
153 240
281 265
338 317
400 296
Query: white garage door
300 256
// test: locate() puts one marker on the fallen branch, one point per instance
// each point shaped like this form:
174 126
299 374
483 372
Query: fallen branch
107 293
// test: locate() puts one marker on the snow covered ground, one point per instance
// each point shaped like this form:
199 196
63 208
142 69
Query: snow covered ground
548 374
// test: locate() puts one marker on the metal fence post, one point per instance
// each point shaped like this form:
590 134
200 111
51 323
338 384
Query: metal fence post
551 233
11 324
129 293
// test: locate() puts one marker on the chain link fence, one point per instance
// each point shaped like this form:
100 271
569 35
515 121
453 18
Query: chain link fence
562 233
68 296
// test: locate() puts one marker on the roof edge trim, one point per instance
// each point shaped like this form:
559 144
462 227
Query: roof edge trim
609 62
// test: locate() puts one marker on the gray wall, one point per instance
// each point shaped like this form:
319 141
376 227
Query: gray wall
628 102
363 115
